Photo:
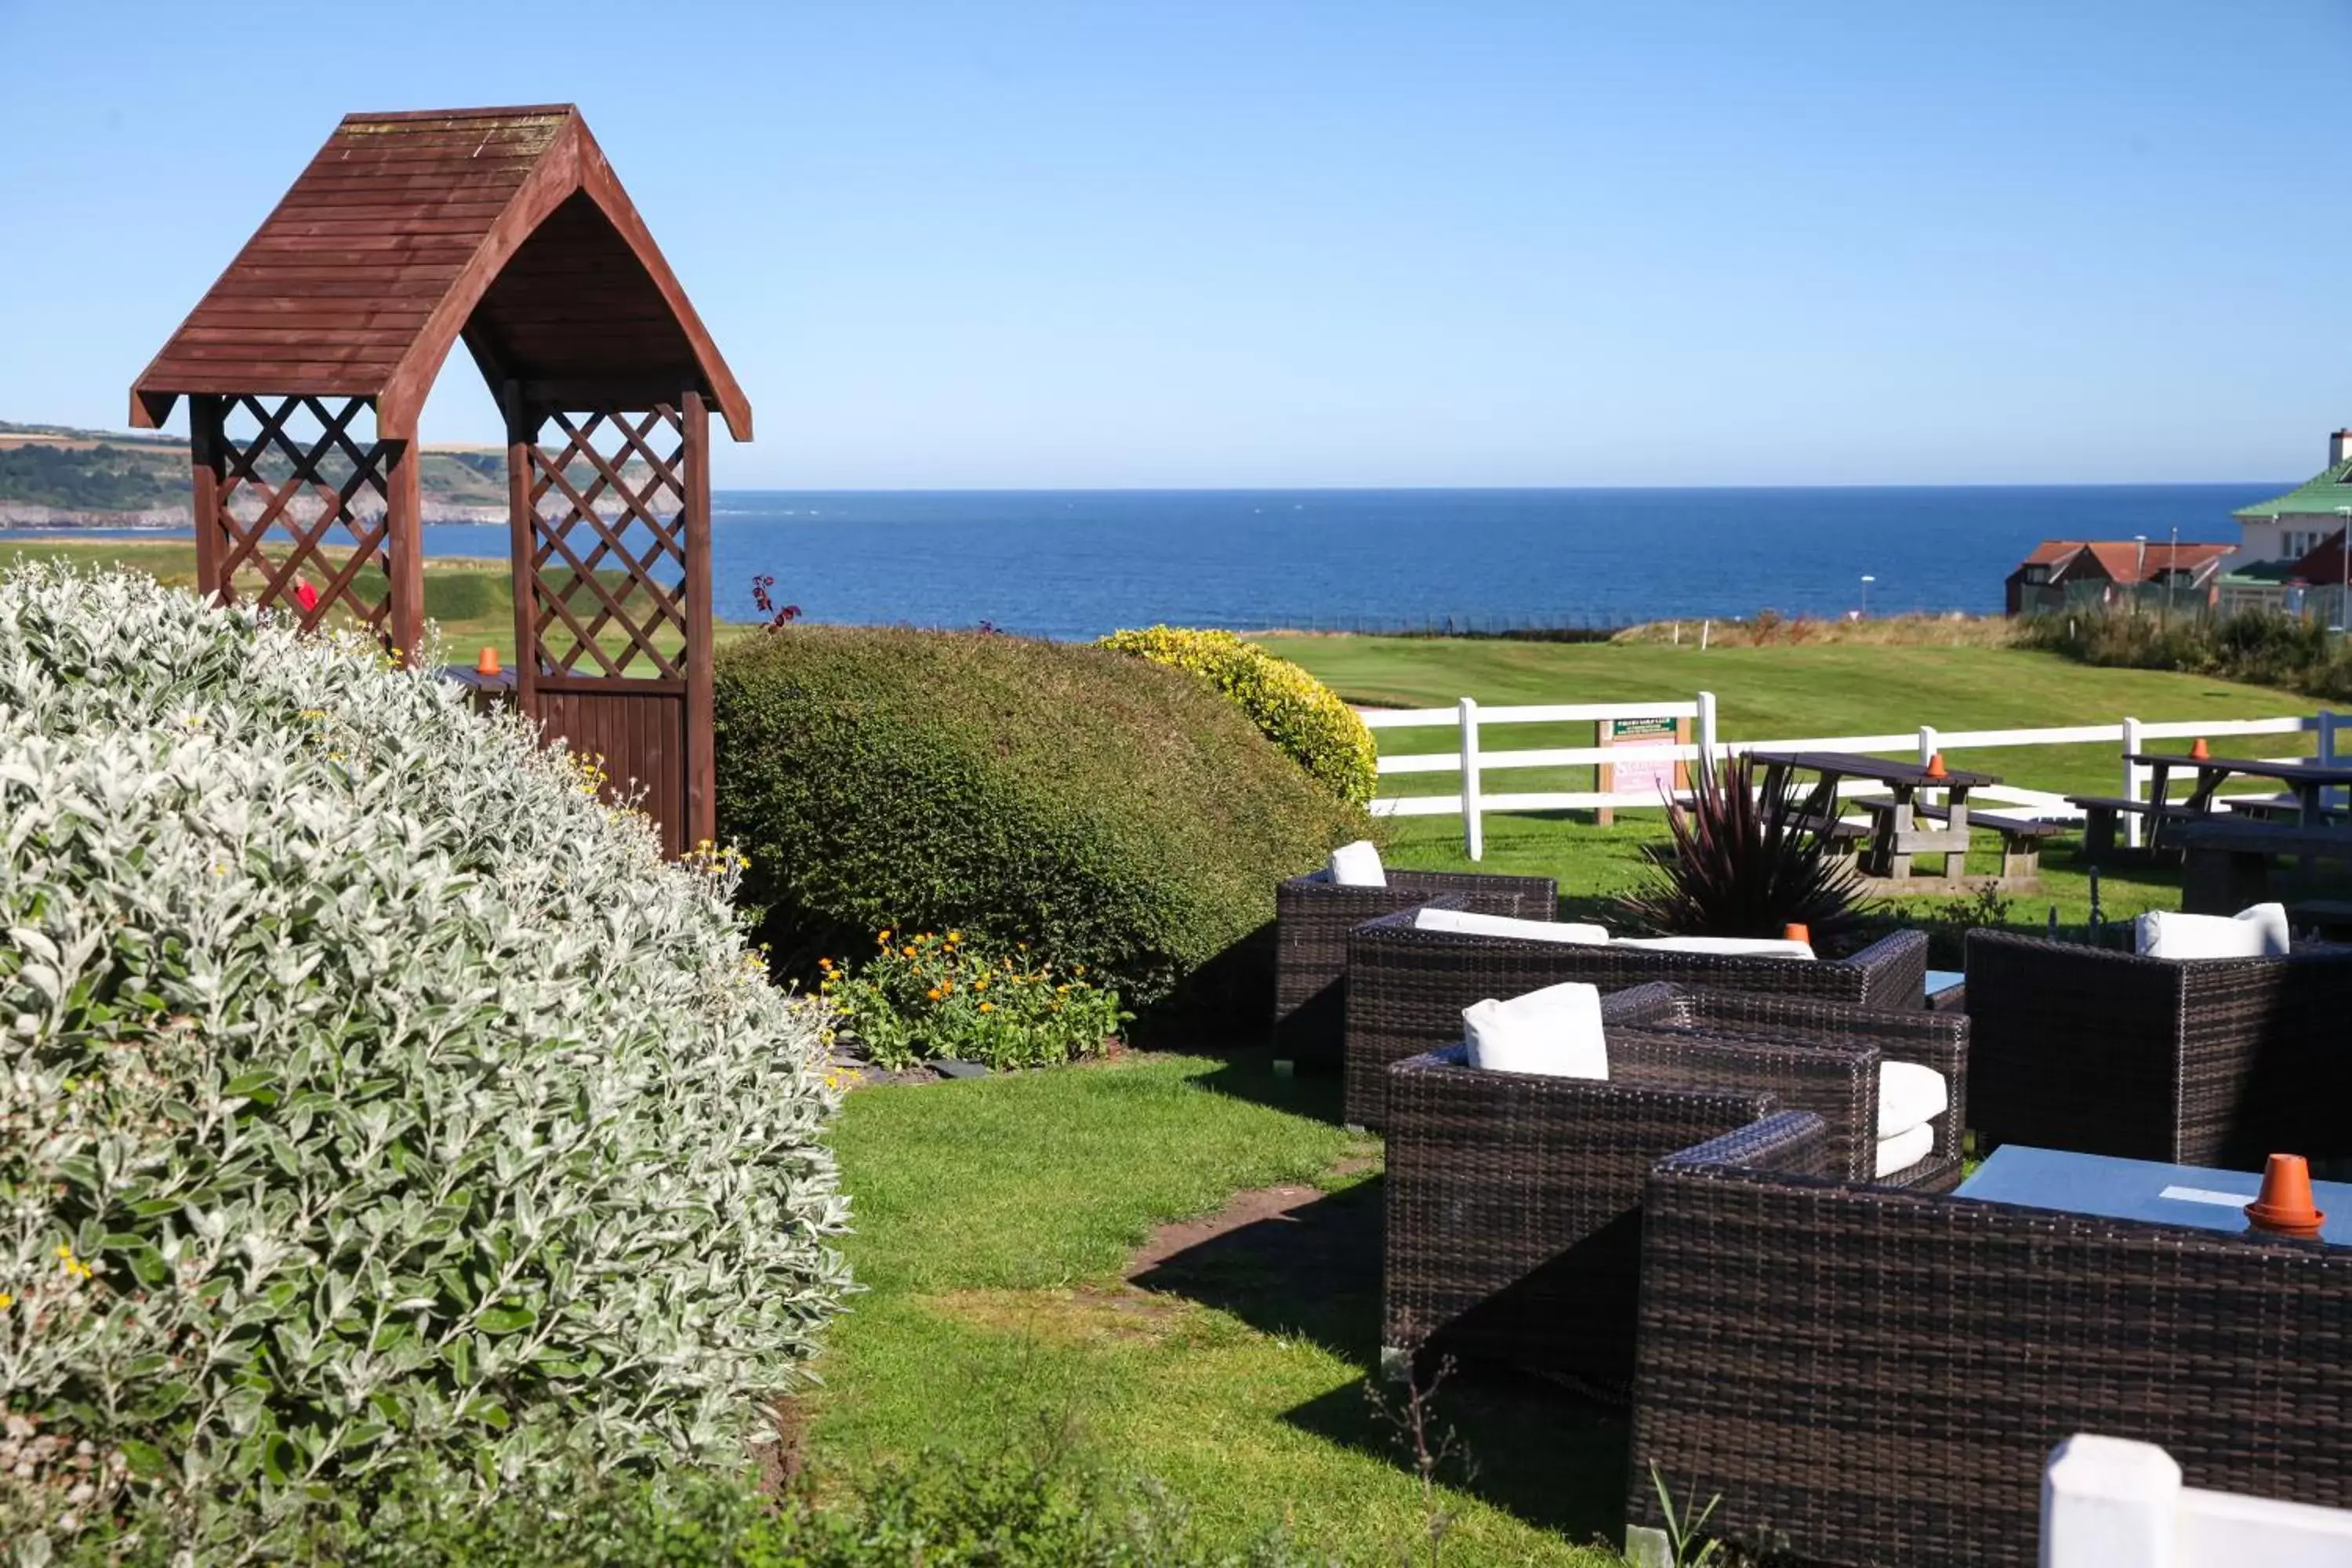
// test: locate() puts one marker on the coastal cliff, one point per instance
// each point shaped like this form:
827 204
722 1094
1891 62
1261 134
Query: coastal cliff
55 477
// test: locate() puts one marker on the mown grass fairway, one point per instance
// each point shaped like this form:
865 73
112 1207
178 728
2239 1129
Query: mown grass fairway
1772 692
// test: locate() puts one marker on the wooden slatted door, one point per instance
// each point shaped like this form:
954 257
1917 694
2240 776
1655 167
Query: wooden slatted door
301 508
610 512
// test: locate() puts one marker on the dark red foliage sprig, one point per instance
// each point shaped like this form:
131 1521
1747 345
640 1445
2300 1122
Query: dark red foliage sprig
766 603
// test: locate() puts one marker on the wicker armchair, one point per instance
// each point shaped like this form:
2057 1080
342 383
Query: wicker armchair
1406 988
1513 1222
2199 1062
1313 917
1867 1375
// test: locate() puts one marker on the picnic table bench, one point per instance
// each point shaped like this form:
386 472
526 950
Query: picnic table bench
2101 813
2020 836
2229 862
1899 832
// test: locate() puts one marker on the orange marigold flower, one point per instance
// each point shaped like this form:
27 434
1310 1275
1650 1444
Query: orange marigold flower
907 951
933 993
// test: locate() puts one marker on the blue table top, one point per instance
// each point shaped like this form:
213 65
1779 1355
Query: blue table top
1942 980
2139 1189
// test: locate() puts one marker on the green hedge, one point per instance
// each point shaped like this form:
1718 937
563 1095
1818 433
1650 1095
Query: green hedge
1116 814
1290 706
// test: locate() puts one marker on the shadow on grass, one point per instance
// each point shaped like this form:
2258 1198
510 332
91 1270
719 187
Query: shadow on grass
1250 1075
1312 1270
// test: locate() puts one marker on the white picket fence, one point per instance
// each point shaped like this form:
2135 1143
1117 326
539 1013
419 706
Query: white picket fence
1472 762
2107 1502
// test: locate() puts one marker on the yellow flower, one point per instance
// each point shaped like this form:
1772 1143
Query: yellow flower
824 964
910 951
6 1300
981 983
1061 990
955 936
988 1006
884 939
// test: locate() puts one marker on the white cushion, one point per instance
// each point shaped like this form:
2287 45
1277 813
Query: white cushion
2257 933
1909 1096
1903 1149
1476 924
1751 946
1358 864
1555 1032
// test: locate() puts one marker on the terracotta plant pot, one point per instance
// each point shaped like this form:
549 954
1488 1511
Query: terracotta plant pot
2284 1206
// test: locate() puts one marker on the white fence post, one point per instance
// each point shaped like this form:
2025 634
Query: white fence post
2109 1503
2133 779
1474 831
1928 744
1707 758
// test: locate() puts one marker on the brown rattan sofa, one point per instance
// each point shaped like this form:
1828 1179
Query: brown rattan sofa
1863 1374
2213 1061
1406 988
1313 915
1514 1225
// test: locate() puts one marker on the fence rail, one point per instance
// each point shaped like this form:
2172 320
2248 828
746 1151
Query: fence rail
1472 762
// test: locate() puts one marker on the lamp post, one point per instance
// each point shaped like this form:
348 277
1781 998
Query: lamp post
1867 581
2171 570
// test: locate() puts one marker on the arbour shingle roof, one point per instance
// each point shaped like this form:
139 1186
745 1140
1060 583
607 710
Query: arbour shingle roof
406 231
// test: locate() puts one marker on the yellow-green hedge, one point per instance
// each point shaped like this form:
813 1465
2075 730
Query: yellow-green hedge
1290 706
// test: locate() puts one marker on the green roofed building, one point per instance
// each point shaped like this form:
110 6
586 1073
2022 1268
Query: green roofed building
2290 527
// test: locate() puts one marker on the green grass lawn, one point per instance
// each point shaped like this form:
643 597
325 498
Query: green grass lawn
994 1219
1770 693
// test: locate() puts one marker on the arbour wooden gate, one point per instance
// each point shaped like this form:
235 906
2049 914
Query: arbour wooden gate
306 365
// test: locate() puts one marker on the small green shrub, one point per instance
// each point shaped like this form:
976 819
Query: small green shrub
1739 863
1104 810
924 995
370 1094
1290 706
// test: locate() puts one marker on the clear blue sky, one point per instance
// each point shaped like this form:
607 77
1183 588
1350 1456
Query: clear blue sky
1265 243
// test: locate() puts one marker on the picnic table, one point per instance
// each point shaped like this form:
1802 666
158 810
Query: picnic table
1900 828
2308 782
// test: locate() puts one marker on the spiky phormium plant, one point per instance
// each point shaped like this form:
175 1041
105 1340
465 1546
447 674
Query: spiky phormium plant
1743 862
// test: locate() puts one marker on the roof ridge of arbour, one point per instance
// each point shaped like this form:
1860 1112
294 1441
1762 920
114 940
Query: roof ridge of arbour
410 230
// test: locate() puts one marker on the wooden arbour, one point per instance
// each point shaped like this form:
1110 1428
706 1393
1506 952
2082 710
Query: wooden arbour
306 365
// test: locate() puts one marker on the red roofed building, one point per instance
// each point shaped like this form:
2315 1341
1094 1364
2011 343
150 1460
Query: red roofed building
2064 573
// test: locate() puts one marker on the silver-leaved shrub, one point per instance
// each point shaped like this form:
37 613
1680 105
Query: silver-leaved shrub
370 1093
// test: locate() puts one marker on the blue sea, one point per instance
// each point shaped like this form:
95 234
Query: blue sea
1066 563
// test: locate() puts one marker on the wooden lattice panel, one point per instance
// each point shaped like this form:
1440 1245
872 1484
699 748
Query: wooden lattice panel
607 545
294 482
